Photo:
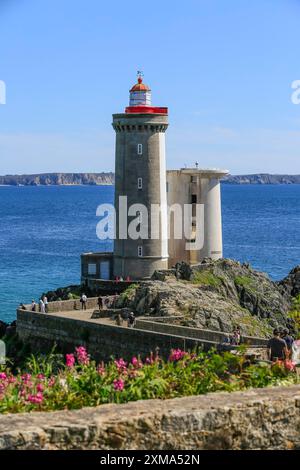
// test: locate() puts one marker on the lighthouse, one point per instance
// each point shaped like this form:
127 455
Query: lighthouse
146 196
140 178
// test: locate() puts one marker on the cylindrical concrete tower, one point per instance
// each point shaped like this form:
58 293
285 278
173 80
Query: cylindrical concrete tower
140 176
211 199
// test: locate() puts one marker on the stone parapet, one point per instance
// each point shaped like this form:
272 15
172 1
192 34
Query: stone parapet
259 419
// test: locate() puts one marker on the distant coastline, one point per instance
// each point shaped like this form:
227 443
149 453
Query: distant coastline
58 179
106 179
261 178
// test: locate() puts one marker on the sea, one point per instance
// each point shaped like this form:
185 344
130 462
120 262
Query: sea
44 229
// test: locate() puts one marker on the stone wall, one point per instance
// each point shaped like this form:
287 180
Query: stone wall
42 331
258 419
208 335
67 305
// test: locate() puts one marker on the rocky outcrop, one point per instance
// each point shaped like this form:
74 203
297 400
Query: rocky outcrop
259 419
216 295
263 178
7 329
58 179
290 285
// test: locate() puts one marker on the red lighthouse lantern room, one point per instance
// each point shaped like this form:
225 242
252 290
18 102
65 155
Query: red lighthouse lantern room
140 99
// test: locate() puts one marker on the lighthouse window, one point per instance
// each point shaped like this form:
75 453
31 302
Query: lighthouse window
140 183
140 251
92 269
140 149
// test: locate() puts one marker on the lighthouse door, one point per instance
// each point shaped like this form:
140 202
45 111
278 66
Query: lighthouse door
105 270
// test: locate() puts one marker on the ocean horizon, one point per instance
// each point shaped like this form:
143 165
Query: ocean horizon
44 229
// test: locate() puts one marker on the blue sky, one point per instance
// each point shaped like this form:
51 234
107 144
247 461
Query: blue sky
224 69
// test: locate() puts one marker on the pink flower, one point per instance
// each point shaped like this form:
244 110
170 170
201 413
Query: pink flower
82 356
119 385
121 364
101 369
289 365
176 355
35 399
70 360
26 378
137 363
3 376
40 387
51 382
40 376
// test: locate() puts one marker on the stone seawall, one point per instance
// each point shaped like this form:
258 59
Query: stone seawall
266 418
42 331
208 335
67 305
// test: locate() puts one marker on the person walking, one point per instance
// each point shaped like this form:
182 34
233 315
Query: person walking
100 302
119 320
289 341
33 306
41 306
131 320
45 300
277 348
83 301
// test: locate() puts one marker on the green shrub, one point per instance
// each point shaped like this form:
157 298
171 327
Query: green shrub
129 293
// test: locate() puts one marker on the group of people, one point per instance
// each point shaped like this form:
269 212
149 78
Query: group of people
42 305
131 320
121 279
234 339
107 302
280 346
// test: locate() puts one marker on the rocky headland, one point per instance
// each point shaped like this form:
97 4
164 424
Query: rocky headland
217 295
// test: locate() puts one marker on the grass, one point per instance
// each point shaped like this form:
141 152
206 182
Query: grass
206 278
244 281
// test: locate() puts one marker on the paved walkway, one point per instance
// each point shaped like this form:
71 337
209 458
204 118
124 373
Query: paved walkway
85 315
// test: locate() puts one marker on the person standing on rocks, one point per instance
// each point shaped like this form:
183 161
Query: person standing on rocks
277 348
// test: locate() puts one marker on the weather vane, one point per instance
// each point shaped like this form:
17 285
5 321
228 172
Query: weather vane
140 74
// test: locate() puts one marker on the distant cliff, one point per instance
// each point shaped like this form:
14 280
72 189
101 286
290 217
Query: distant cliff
262 178
108 179
58 179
